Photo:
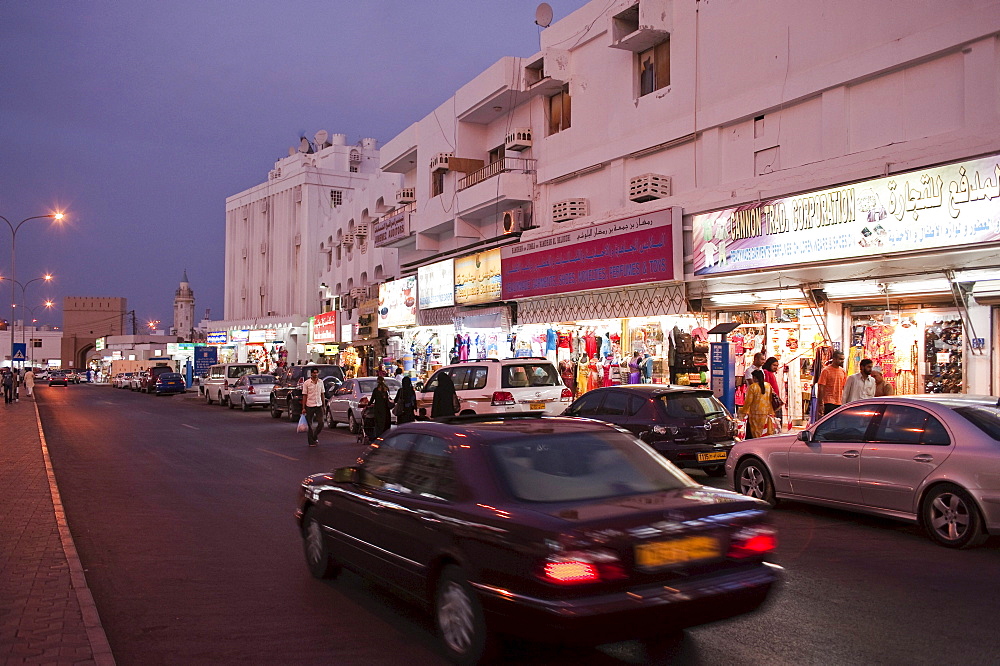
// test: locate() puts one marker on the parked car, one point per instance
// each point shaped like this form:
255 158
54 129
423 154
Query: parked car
929 459
347 400
72 376
554 528
286 396
147 379
168 383
221 378
688 426
123 380
493 386
135 381
251 391
58 378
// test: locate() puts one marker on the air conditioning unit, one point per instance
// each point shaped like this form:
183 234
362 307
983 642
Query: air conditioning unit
263 205
297 194
519 139
348 240
263 290
648 186
513 220
244 253
361 230
346 302
298 240
406 195
263 248
441 162
243 292
570 209
359 292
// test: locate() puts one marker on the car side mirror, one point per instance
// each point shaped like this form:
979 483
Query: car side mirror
346 475
805 436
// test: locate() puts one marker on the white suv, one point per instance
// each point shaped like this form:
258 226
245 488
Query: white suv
493 386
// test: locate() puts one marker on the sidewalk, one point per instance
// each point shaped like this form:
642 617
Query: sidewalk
47 613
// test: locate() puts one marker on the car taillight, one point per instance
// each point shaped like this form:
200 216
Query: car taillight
250 389
753 541
502 398
363 402
581 567
566 395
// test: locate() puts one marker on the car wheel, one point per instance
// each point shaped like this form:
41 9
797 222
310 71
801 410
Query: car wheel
275 412
208 398
460 620
223 399
292 416
229 402
329 419
753 480
244 406
715 471
318 558
951 518
352 424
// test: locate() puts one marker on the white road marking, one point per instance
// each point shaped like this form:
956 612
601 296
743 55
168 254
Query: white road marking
280 455
190 426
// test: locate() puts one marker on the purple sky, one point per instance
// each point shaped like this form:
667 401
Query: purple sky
139 118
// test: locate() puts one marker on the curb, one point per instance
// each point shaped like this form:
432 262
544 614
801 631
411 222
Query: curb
99 645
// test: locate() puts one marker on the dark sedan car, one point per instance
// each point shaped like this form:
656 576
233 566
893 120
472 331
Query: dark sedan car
58 378
168 383
561 529
688 426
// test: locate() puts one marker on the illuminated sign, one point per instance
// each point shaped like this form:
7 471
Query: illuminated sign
436 285
397 303
477 278
241 335
217 338
323 328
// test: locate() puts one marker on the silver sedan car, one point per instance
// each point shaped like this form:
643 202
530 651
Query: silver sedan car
347 401
929 459
251 391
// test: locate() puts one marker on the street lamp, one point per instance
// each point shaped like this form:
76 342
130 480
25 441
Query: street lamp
48 305
13 241
47 278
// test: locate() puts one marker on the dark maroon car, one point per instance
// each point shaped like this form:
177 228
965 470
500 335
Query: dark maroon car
558 529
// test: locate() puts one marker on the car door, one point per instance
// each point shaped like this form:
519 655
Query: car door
908 444
615 408
587 405
828 466
340 401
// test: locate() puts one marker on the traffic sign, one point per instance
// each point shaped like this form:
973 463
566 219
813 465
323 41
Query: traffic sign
20 352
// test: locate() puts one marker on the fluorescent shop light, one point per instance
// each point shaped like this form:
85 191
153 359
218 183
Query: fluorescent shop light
935 285
846 289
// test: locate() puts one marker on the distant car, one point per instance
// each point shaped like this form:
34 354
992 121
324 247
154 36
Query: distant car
135 381
347 401
168 383
72 376
929 459
58 378
221 378
123 380
286 396
687 426
560 529
147 379
251 391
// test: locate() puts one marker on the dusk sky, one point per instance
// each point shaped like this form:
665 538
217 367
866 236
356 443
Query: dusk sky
139 119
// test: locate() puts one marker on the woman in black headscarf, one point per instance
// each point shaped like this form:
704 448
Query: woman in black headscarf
445 397
406 403
381 405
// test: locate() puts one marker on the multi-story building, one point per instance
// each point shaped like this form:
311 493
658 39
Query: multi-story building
184 309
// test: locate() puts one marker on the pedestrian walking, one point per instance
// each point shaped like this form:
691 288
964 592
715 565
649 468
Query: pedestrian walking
312 405
406 403
757 408
381 406
8 386
861 384
771 377
758 364
445 397
831 383
29 382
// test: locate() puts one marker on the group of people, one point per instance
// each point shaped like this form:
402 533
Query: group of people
382 406
762 404
11 379
836 388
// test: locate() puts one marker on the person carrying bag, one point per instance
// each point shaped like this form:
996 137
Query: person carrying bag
406 403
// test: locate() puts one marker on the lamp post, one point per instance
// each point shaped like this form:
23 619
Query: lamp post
13 240
48 305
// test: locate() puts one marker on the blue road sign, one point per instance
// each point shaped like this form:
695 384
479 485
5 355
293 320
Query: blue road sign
20 351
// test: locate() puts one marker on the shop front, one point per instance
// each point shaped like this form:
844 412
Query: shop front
882 269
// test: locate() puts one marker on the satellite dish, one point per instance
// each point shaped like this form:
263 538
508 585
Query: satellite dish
292 150
543 15
321 137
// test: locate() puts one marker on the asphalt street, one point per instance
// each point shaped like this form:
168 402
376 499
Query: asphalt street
183 517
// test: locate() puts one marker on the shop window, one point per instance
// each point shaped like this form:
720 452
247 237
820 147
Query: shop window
437 183
654 68
559 111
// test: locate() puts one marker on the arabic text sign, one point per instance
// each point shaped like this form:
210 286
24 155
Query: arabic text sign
391 229
324 328
956 204
436 284
477 278
614 254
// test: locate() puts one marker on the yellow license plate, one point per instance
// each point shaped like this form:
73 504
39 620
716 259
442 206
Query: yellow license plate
537 405
714 455
678 551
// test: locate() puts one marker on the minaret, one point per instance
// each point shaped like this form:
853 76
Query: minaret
184 309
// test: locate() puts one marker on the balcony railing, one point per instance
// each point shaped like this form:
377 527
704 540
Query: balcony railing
505 165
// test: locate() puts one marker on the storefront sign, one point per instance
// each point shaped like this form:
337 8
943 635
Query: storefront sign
436 284
636 250
217 338
347 332
241 335
933 208
256 336
323 328
391 229
477 278
99 344
397 303
204 358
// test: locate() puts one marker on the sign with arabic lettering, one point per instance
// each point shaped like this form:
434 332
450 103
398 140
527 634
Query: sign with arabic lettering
389 229
947 206
323 328
478 278
635 250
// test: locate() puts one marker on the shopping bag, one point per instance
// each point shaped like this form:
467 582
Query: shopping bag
303 425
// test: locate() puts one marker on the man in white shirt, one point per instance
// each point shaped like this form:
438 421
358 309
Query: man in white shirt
758 363
312 404
860 385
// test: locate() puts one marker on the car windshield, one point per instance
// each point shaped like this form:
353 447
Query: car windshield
528 374
691 405
237 371
577 466
985 417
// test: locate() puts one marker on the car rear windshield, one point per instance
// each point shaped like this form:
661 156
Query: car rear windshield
986 418
367 386
170 376
324 371
692 405
262 379
529 374
237 371
579 466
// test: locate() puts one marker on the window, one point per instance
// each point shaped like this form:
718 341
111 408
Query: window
36 342
497 154
559 111
437 183
615 404
383 464
529 374
429 470
469 377
589 404
908 425
986 418
692 405
849 425
336 198
654 68
354 168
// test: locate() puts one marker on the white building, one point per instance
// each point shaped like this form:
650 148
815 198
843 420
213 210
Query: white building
184 309
43 345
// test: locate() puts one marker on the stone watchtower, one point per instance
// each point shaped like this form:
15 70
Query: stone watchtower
184 309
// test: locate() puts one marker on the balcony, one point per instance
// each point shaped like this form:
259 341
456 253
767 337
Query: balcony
479 194
505 165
